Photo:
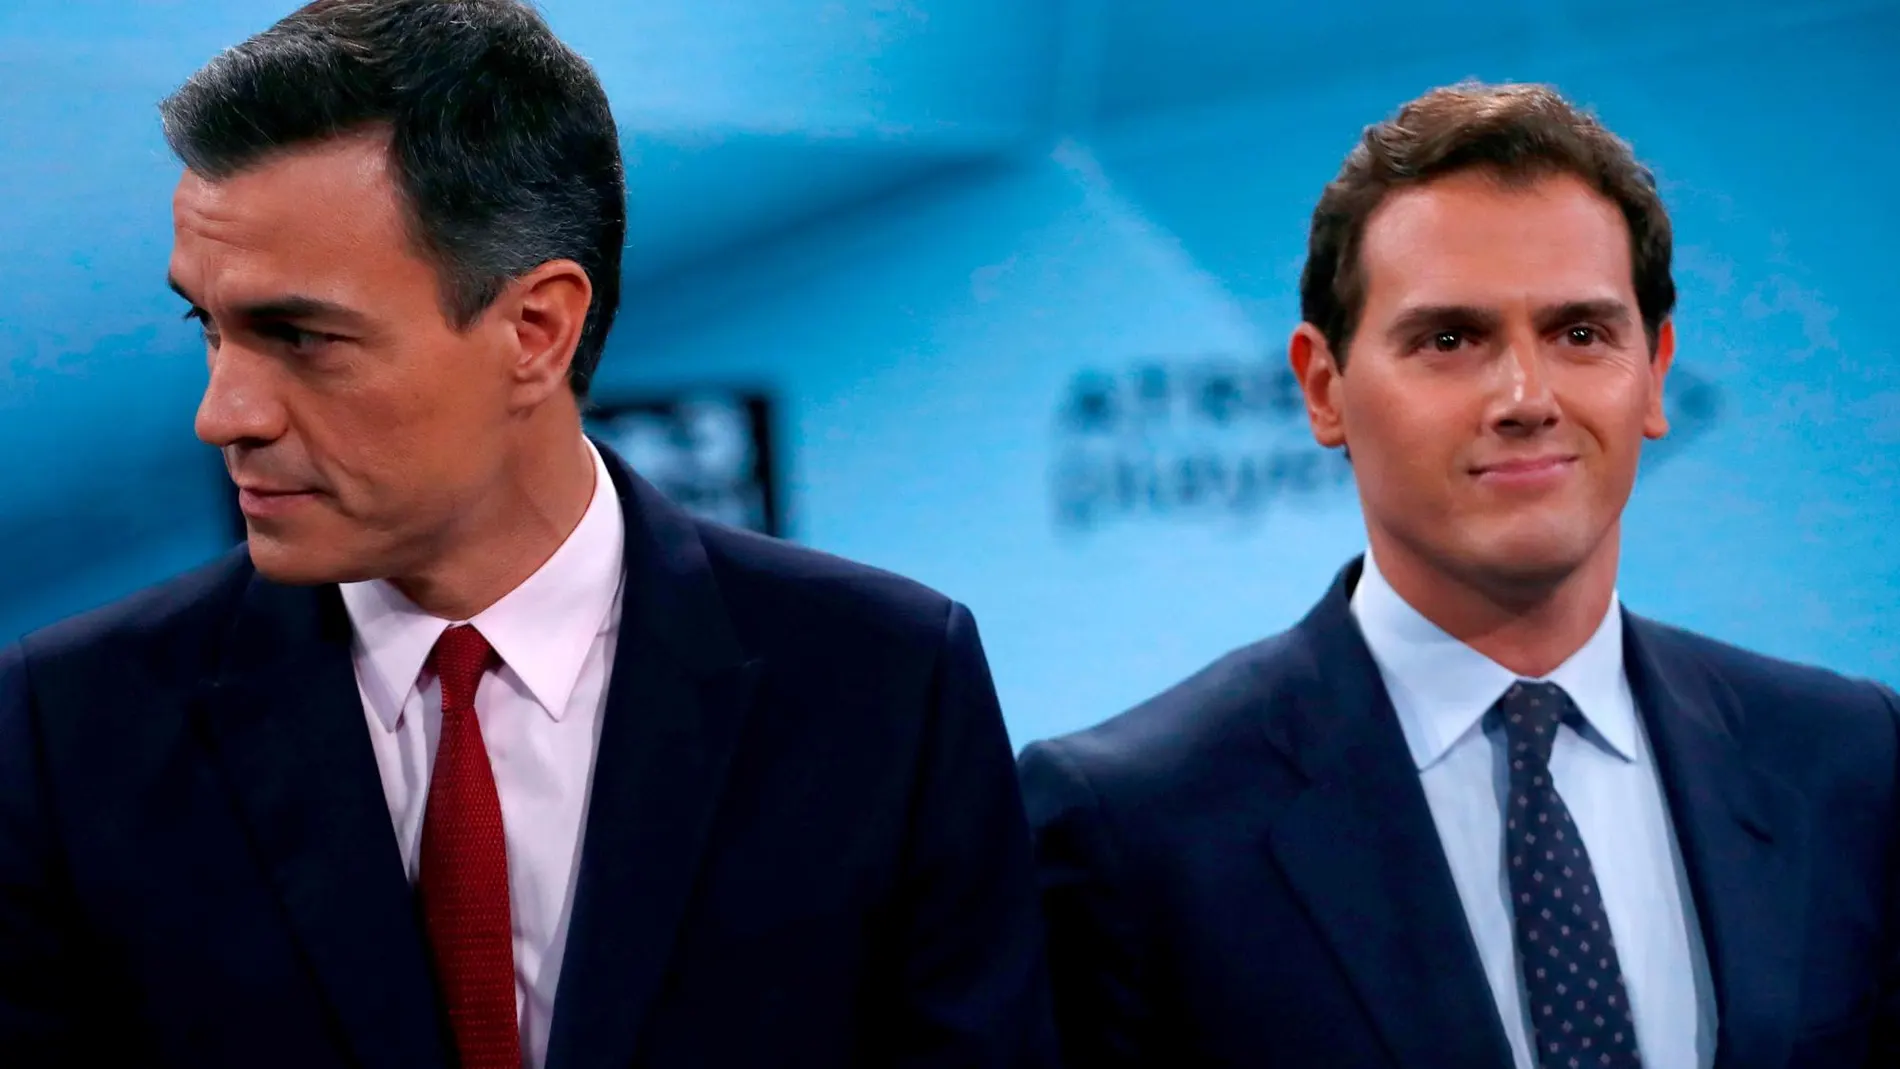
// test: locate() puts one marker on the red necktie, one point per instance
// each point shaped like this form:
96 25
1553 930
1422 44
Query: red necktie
464 880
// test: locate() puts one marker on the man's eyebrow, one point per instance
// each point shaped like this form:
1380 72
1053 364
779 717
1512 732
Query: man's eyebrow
1607 310
290 307
296 306
1425 317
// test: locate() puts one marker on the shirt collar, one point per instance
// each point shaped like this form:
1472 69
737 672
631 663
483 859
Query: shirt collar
1441 688
542 630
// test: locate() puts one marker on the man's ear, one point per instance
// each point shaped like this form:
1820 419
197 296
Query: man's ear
1656 418
1321 378
544 312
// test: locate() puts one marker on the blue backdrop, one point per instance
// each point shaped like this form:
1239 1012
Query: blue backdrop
1018 276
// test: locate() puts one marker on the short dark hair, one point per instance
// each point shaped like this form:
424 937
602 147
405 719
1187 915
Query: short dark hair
1517 132
500 136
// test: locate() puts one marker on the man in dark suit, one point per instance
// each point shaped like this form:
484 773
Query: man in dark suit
1469 813
481 753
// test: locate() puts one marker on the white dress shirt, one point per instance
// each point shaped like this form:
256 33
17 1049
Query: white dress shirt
540 714
1441 689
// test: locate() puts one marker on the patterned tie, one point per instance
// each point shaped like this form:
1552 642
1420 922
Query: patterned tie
464 879
1573 984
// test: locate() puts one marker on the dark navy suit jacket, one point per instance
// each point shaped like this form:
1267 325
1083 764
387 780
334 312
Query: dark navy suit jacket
805 844
1244 871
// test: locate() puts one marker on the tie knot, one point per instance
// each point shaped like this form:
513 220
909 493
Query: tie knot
1530 713
460 657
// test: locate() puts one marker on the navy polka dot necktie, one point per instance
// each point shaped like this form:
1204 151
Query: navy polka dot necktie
1573 985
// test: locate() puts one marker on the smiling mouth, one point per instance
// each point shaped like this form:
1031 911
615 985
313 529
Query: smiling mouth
1527 466
1529 475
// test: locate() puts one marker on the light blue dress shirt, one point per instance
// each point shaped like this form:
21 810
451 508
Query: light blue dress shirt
1441 689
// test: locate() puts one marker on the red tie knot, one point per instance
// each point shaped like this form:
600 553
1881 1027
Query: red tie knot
460 657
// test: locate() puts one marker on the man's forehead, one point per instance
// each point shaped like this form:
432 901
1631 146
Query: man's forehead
1472 210
321 184
1480 243
313 219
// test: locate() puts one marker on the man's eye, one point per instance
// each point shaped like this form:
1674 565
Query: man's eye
210 332
294 337
1583 335
1447 341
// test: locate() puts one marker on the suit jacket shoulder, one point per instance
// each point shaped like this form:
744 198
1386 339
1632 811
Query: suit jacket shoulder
1171 737
1757 674
781 595
191 601
1798 719
161 639
1198 762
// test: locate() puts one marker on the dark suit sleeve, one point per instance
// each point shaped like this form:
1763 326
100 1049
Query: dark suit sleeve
1885 1050
973 979
39 961
1101 1012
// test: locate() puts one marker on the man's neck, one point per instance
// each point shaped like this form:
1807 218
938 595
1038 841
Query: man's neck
1528 627
544 500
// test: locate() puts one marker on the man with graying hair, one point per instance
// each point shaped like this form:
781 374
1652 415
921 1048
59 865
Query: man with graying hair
480 753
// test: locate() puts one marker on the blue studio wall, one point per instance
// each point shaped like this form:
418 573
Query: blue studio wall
1018 276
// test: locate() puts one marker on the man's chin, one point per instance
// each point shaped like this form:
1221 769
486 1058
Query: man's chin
1531 573
1533 560
293 564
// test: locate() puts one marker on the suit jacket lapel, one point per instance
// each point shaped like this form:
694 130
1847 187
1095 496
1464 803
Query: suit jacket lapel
1361 849
1743 836
676 706
285 721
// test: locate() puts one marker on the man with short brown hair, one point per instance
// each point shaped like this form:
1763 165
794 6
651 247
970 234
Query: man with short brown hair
1470 812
